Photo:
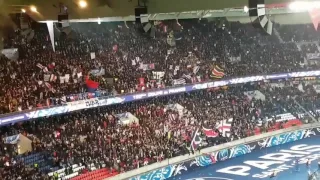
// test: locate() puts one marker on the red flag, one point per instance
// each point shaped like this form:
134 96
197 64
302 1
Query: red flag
115 48
217 73
151 66
52 65
210 132
141 82
315 17
196 140
91 84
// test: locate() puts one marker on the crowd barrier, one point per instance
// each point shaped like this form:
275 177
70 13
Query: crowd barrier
178 165
104 101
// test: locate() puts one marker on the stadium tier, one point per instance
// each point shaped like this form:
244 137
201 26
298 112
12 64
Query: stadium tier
196 84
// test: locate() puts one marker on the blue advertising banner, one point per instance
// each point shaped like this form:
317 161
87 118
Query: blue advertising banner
180 169
104 101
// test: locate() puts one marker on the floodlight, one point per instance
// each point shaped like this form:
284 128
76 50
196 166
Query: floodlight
303 5
246 9
33 9
83 4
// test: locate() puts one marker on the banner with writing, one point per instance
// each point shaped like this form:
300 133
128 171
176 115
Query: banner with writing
158 74
179 81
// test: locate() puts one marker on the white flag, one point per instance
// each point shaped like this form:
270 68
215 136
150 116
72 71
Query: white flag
93 55
66 78
46 77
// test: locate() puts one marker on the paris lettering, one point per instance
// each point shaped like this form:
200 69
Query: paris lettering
283 160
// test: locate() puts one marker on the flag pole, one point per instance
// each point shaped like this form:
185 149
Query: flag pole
194 136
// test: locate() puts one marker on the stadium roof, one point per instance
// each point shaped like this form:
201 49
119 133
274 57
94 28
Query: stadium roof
123 10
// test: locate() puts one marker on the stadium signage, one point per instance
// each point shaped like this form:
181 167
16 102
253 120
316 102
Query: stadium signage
104 101
92 103
253 167
283 160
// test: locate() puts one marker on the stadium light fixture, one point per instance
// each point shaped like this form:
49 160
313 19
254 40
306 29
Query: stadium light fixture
33 9
303 5
246 9
83 4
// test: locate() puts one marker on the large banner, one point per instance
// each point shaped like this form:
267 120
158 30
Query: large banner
243 171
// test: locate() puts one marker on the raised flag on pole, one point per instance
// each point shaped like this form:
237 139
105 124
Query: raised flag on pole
217 72
45 69
188 76
179 81
93 55
224 127
315 17
46 77
62 79
196 140
53 77
196 69
142 81
50 87
91 85
40 66
115 47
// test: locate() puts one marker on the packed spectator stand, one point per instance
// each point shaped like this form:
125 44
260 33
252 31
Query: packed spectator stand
124 50
93 144
94 136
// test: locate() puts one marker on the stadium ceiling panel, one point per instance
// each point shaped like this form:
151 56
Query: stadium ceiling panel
123 10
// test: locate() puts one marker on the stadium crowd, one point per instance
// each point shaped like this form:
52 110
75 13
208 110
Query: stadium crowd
162 131
126 60
187 51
